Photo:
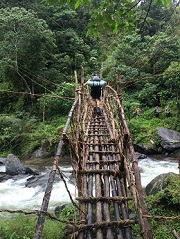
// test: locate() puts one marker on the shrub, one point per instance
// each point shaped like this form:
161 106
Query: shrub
23 227
165 203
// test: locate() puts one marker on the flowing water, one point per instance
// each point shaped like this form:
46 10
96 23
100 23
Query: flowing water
153 166
15 195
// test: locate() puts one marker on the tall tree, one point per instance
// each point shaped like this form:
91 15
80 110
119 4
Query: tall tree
110 16
152 18
23 49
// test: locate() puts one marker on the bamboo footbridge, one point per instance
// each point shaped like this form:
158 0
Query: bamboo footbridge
110 200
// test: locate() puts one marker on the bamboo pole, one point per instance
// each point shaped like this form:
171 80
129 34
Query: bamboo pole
44 207
175 234
99 234
107 195
90 194
76 80
82 76
122 193
119 87
137 193
85 185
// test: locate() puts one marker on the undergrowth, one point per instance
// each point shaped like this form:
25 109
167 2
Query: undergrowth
143 128
22 135
23 227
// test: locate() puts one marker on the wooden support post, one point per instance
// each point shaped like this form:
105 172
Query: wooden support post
175 234
45 203
82 76
119 87
76 82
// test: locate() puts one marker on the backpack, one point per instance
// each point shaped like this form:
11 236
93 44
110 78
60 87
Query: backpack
99 83
96 81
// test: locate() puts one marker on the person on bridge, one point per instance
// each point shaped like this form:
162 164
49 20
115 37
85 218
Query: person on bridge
96 84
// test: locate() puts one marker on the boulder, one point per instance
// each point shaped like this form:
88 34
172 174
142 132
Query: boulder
147 149
140 156
40 180
13 166
4 177
41 153
2 160
169 139
157 184
59 209
175 154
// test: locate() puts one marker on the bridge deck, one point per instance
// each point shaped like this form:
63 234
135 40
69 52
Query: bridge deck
110 198
103 192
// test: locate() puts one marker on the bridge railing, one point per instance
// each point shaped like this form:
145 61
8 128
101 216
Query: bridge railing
120 132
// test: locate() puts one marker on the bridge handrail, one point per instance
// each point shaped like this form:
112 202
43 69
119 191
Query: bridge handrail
137 190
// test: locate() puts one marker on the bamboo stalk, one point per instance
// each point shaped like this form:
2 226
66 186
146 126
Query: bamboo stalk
104 198
107 195
90 194
99 234
175 234
116 205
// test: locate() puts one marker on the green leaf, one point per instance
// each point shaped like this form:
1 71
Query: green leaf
77 3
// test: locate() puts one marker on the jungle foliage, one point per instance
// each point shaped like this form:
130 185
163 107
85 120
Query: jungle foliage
41 45
111 16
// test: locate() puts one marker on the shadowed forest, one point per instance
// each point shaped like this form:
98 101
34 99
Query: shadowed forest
41 47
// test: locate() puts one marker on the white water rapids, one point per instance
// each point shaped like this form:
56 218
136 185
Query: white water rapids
15 195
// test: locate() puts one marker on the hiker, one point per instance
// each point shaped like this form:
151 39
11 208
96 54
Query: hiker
168 111
96 84
137 111
156 111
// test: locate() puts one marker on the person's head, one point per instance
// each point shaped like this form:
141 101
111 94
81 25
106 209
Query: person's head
95 77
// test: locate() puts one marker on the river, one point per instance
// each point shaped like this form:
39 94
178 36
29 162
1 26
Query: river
15 195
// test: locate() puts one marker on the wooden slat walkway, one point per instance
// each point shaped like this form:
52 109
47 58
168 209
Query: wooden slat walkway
103 195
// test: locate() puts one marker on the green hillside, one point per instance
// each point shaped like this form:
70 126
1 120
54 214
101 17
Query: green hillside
42 45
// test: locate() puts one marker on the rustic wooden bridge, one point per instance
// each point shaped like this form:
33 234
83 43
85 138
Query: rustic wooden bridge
110 198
